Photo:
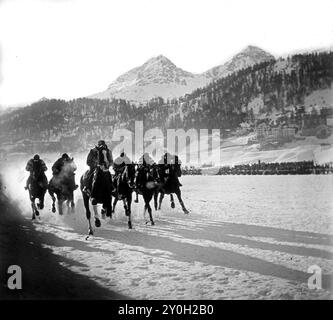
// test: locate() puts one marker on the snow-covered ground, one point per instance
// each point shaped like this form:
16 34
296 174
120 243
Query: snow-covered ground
246 237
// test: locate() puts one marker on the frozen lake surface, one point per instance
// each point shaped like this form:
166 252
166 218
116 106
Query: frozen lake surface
246 237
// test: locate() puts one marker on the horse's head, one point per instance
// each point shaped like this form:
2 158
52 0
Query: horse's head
153 172
125 180
148 176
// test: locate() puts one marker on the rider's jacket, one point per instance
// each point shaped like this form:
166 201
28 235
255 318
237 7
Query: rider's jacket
61 163
92 159
146 159
30 165
168 158
171 163
120 162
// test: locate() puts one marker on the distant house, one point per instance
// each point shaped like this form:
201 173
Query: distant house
288 132
262 130
279 133
330 120
312 121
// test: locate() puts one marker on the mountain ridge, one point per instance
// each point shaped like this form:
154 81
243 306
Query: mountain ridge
283 87
160 77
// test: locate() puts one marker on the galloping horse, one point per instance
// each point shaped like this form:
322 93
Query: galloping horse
124 189
148 185
37 189
168 175
63 186
100 187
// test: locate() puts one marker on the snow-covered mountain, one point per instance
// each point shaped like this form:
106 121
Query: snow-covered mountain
250 56
159 77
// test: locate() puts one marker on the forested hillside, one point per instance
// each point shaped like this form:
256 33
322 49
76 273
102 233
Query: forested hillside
223 104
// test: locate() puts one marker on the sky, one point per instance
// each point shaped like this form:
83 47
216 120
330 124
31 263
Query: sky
73 48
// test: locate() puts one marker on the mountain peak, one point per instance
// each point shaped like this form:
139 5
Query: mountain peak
251 47
249 56
254 50
159 60
159 76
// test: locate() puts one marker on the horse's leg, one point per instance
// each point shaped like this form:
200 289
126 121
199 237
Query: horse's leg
51 193
147 198
107 208
103 211
60 205
97 221
67 205
114 204
155 200
149 209
72 203
145 207
179 196
136 197
41 200
125 206
172 201
88 213
161 199
34 209
129 213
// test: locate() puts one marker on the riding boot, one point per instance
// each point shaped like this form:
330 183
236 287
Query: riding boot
89 177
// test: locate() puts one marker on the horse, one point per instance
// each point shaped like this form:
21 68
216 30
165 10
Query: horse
63 186
148 184
170 184
124 189
37 188
101 188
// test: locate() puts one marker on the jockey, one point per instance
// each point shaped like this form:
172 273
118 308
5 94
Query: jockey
144 163
119 165
31 166
92 159
121 162
65 166
146 159
92 162
171 162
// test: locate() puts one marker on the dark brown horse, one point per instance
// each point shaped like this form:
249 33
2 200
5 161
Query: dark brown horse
168 175
63 186
37 189
147 185
124 184
101 188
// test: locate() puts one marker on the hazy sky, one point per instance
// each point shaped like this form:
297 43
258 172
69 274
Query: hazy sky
72 48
